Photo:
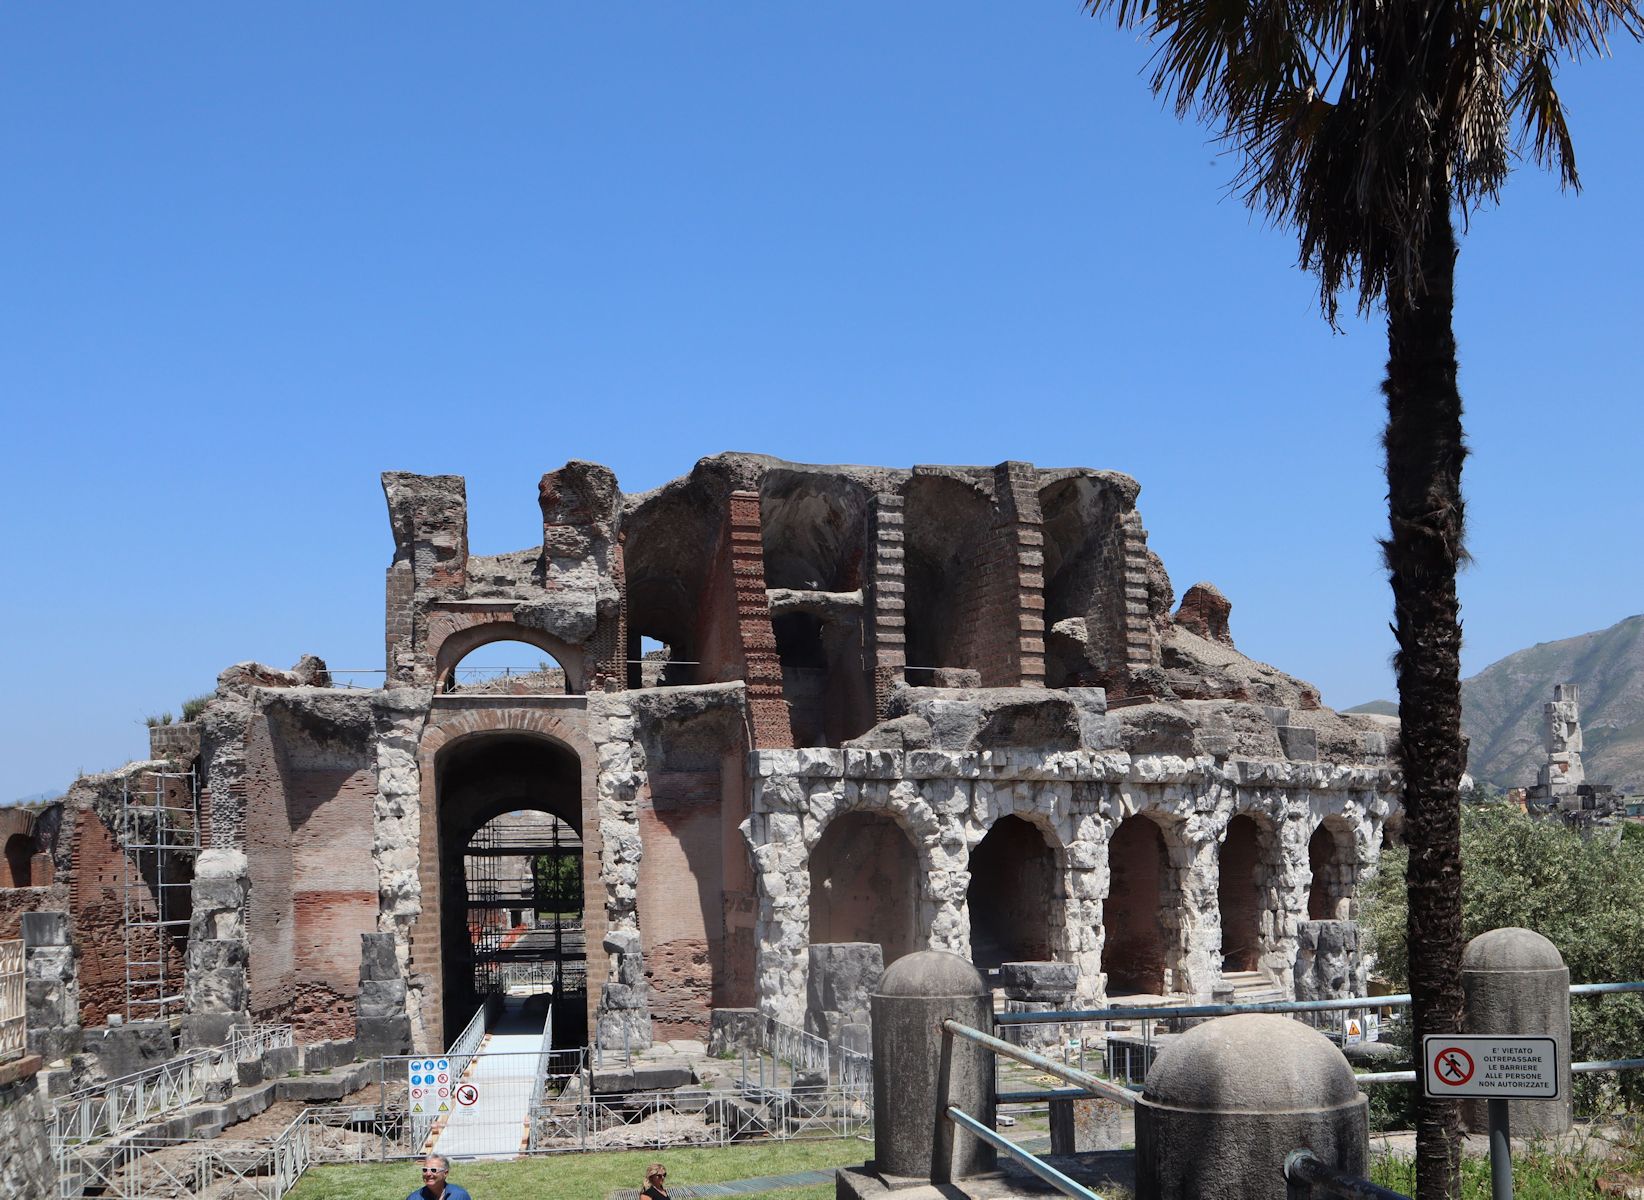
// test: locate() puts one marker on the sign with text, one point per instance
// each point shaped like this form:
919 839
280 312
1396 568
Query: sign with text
1490 1066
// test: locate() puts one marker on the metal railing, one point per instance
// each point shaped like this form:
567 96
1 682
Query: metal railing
247 1042
1308 1175
660 1120
1084 1084
122 1104
800 1050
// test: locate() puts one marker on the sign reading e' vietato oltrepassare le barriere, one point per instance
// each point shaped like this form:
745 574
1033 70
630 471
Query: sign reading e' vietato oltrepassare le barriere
1490 1066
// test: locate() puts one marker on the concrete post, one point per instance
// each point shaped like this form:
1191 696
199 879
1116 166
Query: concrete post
918 1071
1515 981
1227 1101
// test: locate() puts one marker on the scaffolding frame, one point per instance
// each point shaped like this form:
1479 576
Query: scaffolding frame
159 837
496 964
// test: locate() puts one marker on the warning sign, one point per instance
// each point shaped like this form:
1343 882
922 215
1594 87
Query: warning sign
468 1095
422 1077
1501 1067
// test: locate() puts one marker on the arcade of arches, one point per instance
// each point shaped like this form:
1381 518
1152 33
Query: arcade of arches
764 705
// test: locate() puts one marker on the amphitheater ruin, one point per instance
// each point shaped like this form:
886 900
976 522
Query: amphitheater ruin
788 706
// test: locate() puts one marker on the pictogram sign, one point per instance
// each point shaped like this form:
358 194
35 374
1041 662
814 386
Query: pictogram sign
1501 1067
467 1095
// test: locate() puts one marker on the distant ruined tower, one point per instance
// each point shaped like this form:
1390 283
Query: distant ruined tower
1561 720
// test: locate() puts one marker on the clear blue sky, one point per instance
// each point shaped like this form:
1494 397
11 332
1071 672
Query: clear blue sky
255 255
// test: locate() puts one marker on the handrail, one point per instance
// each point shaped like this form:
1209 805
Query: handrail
1305 1167
1026 1157
1091 1084
1075 1016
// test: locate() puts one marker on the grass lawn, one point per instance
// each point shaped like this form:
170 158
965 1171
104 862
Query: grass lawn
593 1176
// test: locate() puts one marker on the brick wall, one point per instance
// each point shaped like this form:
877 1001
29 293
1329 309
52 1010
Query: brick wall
734 636
679 896
887 597
270 923
333 894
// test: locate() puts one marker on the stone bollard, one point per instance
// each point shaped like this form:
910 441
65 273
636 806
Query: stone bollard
1228 1100
912 1136
1515 981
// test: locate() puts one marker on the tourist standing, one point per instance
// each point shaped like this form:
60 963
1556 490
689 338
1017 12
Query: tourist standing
656 1183
434 1186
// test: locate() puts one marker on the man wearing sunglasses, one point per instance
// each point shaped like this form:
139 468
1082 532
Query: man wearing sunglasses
434 1170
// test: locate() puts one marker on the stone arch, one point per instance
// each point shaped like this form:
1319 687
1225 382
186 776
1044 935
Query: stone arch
1016 899
865 883
1250 887
453 640
1137 953
947 522
1332 862
455 729
20 860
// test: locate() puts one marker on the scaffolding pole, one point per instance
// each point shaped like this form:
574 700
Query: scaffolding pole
159 833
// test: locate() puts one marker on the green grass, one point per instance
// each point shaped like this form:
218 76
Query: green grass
1539 1173
593 1176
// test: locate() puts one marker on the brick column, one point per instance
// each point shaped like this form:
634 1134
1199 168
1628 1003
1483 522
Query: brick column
1017 485
887 600
762 670
1141 645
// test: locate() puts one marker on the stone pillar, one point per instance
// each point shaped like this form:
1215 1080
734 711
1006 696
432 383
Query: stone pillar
382 1026
838 984
623 1019
51 988
216 990
1229 1099
918 1072
1327 965
1081 1125
1515 981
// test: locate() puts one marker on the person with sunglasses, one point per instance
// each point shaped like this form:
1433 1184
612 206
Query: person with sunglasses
656 1183
434 1187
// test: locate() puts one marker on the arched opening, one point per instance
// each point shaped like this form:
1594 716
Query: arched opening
865 885
20 860
813 530
1330 858
506 667
1084 582
1134 953
947 523
1238 895
511 868
1013 894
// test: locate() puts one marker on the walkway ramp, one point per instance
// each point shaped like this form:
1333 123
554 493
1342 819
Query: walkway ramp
492 1099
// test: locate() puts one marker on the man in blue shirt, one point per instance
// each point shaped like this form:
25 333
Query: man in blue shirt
434 1170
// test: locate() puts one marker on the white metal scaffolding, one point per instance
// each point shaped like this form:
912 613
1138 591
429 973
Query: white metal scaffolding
160 836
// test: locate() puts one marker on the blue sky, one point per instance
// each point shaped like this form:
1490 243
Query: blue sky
256 255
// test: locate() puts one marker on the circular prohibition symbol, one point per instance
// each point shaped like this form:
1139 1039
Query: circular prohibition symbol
468 1095
1453 1065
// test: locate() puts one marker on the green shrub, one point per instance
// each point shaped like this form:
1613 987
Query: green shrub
195 705
1585 895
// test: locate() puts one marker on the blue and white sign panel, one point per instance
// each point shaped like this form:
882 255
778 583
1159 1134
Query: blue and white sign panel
430 1082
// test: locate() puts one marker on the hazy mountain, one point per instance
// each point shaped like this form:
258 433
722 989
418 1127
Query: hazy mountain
1376 708
1501 707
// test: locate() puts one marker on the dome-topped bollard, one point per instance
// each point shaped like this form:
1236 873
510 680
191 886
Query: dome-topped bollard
918 1071
1228 1101
1515 982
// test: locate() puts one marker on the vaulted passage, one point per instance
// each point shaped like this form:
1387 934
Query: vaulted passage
865 885
1330 858
1012 895
1134 952
1238 895
511 869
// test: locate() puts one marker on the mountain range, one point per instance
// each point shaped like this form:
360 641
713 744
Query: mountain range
1501 708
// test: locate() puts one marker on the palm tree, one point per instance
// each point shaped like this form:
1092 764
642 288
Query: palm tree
1363 125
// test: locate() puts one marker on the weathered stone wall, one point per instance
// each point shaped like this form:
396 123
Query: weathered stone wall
26 1167
948 800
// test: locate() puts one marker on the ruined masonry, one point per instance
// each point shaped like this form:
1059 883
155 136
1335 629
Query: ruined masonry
781 715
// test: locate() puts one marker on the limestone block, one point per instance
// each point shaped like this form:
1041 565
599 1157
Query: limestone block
45 929
1049 981
732 1030
381 998
378 1036
840 978
379 959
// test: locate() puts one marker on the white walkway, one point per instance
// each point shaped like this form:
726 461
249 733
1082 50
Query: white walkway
499 1080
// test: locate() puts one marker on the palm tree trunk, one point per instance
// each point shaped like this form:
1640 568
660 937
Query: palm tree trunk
1424 456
